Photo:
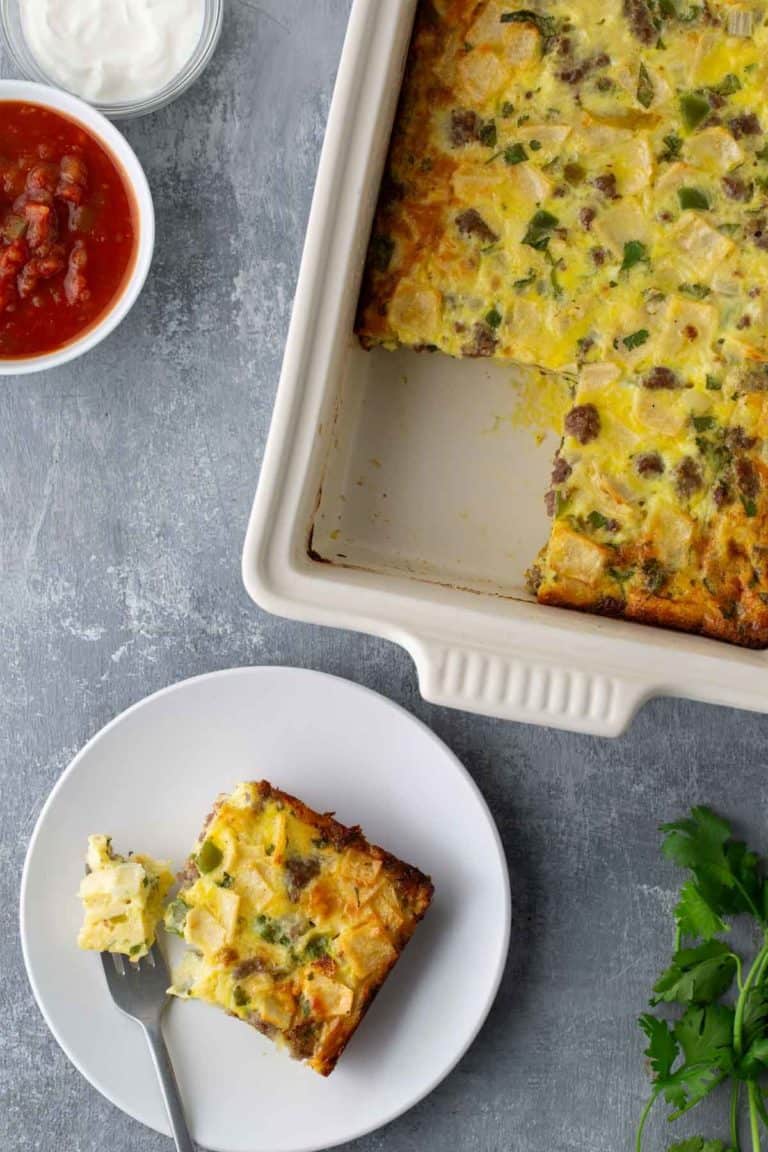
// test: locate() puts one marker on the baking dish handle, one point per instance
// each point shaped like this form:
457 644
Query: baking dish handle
533 691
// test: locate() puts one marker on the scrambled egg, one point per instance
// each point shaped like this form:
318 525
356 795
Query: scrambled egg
584 188
293 920
122 899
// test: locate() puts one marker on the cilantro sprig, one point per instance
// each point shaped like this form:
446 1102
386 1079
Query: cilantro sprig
721 1032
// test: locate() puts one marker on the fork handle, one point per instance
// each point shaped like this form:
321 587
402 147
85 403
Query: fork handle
169 1088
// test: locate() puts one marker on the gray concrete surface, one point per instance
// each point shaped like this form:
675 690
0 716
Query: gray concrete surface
125 484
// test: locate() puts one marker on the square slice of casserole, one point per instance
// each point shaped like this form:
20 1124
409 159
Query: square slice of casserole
123 899
294 921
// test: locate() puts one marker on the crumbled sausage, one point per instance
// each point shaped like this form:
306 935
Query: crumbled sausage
579 72
550 502
586 216
746 125
737 439
561 470
483 343
688 477
465 126
471 223
300 872
721 494
743 322
737 189
607 185
747 477
640 17
660 377
583 423
598 256
649 464
248 967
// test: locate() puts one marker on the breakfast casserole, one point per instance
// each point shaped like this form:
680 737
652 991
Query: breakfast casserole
584 188
294 921
123 898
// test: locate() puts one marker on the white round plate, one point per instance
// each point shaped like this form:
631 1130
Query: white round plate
149 778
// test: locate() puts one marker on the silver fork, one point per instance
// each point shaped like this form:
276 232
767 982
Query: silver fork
140 990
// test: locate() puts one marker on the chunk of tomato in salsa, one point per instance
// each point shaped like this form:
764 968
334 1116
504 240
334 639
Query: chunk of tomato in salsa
67 230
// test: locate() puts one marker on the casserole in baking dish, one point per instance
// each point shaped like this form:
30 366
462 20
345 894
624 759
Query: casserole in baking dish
585 188
401 493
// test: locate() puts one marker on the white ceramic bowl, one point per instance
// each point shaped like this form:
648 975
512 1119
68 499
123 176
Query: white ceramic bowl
120 149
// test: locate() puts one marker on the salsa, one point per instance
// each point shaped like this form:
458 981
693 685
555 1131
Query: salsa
67 230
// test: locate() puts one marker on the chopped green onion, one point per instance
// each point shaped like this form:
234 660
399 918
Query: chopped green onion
540 230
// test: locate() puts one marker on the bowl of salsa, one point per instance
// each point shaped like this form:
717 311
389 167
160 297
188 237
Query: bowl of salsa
76 227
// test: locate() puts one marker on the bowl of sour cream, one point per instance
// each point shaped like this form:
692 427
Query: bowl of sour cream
125 58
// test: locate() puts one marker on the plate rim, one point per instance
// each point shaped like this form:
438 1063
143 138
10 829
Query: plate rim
246 671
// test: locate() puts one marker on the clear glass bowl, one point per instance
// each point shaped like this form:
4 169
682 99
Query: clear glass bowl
11 26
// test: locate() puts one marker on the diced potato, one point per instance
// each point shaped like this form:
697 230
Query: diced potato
675 176
414 311
530 183
253 884
620 224
387 909
670 532
634 165
599 375
360 868
660 411
482 75
689 326
714 150
203 931
276 1007
224 904
327 997
575 557
520 43
367 948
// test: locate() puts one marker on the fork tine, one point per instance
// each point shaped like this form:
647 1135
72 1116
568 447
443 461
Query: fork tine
118 963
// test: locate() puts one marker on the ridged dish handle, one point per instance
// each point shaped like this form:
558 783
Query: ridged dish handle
540 691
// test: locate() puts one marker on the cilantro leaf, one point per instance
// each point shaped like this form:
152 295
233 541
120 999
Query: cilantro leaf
688 1086
705 1035
695 916
726 872
663 1048
540 229
696 975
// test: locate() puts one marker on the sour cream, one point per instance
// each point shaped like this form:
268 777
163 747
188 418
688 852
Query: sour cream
109 51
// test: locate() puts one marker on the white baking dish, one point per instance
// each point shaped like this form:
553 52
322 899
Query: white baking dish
397 498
